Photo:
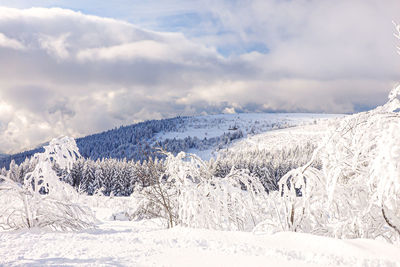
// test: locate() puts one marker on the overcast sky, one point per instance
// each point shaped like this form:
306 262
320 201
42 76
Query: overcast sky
73 67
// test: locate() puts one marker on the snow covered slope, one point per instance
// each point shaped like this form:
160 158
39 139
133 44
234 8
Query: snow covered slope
278 139
253 123
119 243
202 135
249 124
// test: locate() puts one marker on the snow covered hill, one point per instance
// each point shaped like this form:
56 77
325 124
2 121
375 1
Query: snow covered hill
203 135
249 124
286 138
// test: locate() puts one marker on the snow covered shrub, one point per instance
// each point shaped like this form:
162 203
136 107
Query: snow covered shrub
357 191
361 172
294 207
155 194
43 200
298 193
361 165
190 195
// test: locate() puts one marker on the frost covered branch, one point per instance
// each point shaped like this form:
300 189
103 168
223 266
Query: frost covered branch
389 222
188 194
360 175
42 200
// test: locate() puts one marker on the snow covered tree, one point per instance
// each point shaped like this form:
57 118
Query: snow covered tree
43 200
77 173
88 183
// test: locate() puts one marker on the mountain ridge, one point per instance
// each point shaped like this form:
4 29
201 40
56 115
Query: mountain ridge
201 134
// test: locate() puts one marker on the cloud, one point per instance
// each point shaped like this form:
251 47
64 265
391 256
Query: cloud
65 72
55 45
10 43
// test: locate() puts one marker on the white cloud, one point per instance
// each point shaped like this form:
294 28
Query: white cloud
64 72
55 45
229 111
10 43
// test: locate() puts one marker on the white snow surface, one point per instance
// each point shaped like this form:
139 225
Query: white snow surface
215 125
287 137
147 243
250 124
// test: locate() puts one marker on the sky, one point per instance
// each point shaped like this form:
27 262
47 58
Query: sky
79 67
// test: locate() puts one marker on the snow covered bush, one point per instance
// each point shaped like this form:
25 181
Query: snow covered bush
42 199
188 194
295 205
154 194
356 194
361 167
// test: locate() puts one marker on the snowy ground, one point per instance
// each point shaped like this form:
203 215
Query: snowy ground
215 125
251 124
287 137
124 243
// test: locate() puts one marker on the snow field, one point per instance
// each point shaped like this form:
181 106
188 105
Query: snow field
147 243
284 138
251 125
215 125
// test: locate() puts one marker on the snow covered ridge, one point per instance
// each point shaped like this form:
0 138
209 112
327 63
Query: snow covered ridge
202 135
248 124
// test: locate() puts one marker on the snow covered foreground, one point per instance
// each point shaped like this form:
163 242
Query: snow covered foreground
146 243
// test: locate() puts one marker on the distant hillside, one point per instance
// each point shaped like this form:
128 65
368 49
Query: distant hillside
122 142
203 135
